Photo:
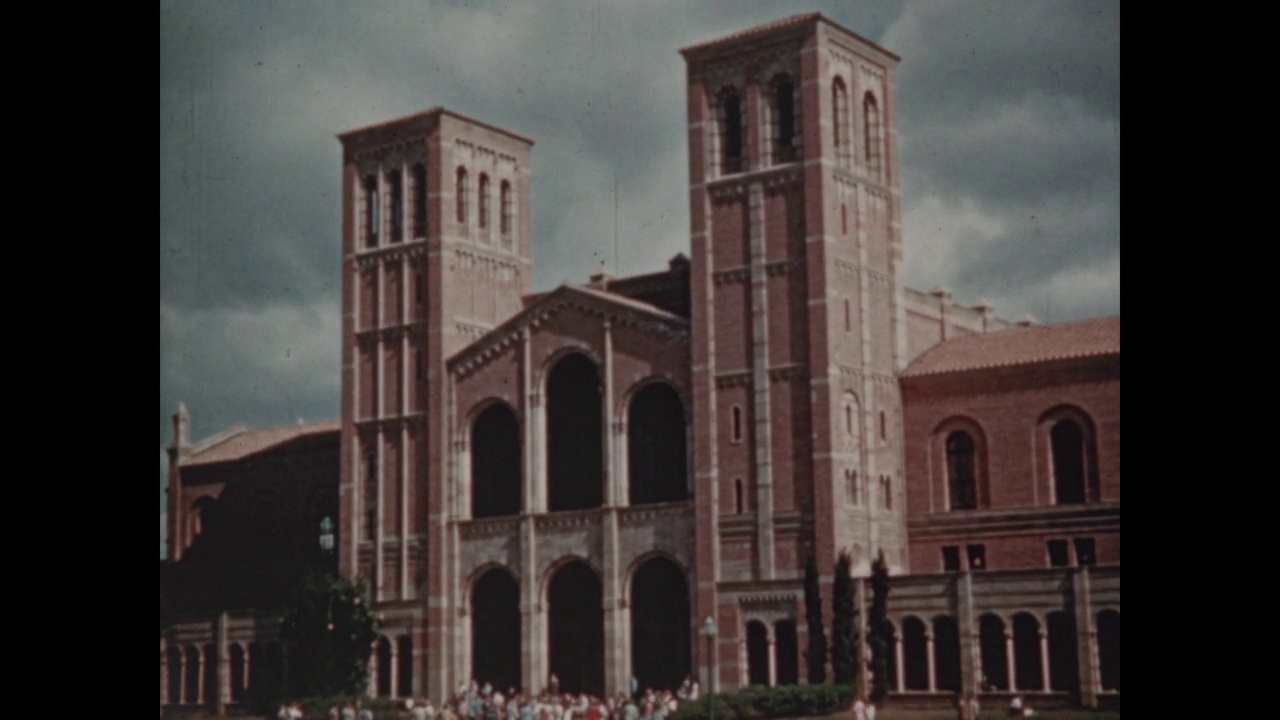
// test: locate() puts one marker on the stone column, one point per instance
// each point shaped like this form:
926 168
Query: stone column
1086 639
772 655
244 671
899 663
761 418
164 673
182 678
200 688
395 667
933 674
1010 666
970 642
1044 659
222 658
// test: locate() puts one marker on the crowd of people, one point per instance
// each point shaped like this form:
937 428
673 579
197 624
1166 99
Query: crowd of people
476 701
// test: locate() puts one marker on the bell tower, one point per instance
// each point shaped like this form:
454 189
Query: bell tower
796 310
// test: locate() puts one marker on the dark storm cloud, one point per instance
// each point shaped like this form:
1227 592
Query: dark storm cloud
1009 116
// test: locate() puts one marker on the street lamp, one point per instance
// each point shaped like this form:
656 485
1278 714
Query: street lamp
709 632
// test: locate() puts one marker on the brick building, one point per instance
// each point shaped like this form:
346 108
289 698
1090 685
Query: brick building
568 482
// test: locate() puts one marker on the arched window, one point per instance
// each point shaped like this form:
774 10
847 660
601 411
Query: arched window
505 201
840 122
1068 462
370 494
871 129
960 471
462 190
575 454
495 463
371 211
731 131
484 201
419 200
395 201
657 455
786 141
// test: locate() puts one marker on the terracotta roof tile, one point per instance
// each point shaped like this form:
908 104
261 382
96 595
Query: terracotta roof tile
248 442
756 29
1021 346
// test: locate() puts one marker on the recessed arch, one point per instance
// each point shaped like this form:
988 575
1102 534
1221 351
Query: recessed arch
657 446
946 653
575 622
959 452
871 135
495 626
237 657
173 661
994 651
1064 670
382 651
784 135
496 461
757 653
1068 439
786 653
732 127
1028 674
915 653
1108 626
575 434
661 626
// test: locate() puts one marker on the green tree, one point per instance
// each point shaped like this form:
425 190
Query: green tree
843 646
880 636
816 655
327 631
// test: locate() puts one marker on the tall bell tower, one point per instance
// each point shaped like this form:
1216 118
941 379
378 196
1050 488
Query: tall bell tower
797 318
436 252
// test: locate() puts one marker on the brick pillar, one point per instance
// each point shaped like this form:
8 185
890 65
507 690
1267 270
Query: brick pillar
1086 639
970 642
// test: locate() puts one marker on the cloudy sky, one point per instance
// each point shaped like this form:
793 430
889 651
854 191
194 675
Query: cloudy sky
1009 119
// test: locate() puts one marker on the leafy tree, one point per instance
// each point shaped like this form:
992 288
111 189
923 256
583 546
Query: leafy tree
328 629
881 636
816 655
843 647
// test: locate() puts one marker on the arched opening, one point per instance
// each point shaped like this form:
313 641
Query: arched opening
384 667
657 457
173 657
1108 649
419 200
256 677
915 654
576 622
237 673
786 661
995 661
960 471
496 629
210 674
404 658
660 615
839 122
731 131
871 128
785 130
192 694
757 653
892 659
1026 652
395 202
505 208
483 220
495 463
1064 671
946 653
1067 439
371 211
463 189
575 456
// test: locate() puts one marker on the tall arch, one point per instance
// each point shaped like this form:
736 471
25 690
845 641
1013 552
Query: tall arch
404 660
1026 652
1108 649
1064 668
785 130
757 653
192 675
462 192
173 658
576 625
959 460
732 131
383 678
496 629
495 463
210 653
237 672
871 134
657 446
661 643
994 651
946 653
1068 436
483 212
575 436
961 471
842 141
915 654
786 653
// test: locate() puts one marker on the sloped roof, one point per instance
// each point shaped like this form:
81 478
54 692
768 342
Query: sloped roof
780 23
1021 346
248 442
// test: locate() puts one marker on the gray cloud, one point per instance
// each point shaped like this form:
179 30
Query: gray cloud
1009 116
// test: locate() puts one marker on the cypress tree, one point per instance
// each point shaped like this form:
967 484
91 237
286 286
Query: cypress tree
843 647
816 655
881 636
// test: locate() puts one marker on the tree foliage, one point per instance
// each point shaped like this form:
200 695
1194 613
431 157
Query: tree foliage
328 629
843 639
816 654
880 635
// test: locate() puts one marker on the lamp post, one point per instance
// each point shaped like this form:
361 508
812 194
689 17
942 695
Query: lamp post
709 632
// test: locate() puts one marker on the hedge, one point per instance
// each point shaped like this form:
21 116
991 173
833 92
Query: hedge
758 702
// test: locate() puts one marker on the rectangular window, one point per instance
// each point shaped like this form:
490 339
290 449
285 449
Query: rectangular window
951 558
1058 553
977 557
1085 552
